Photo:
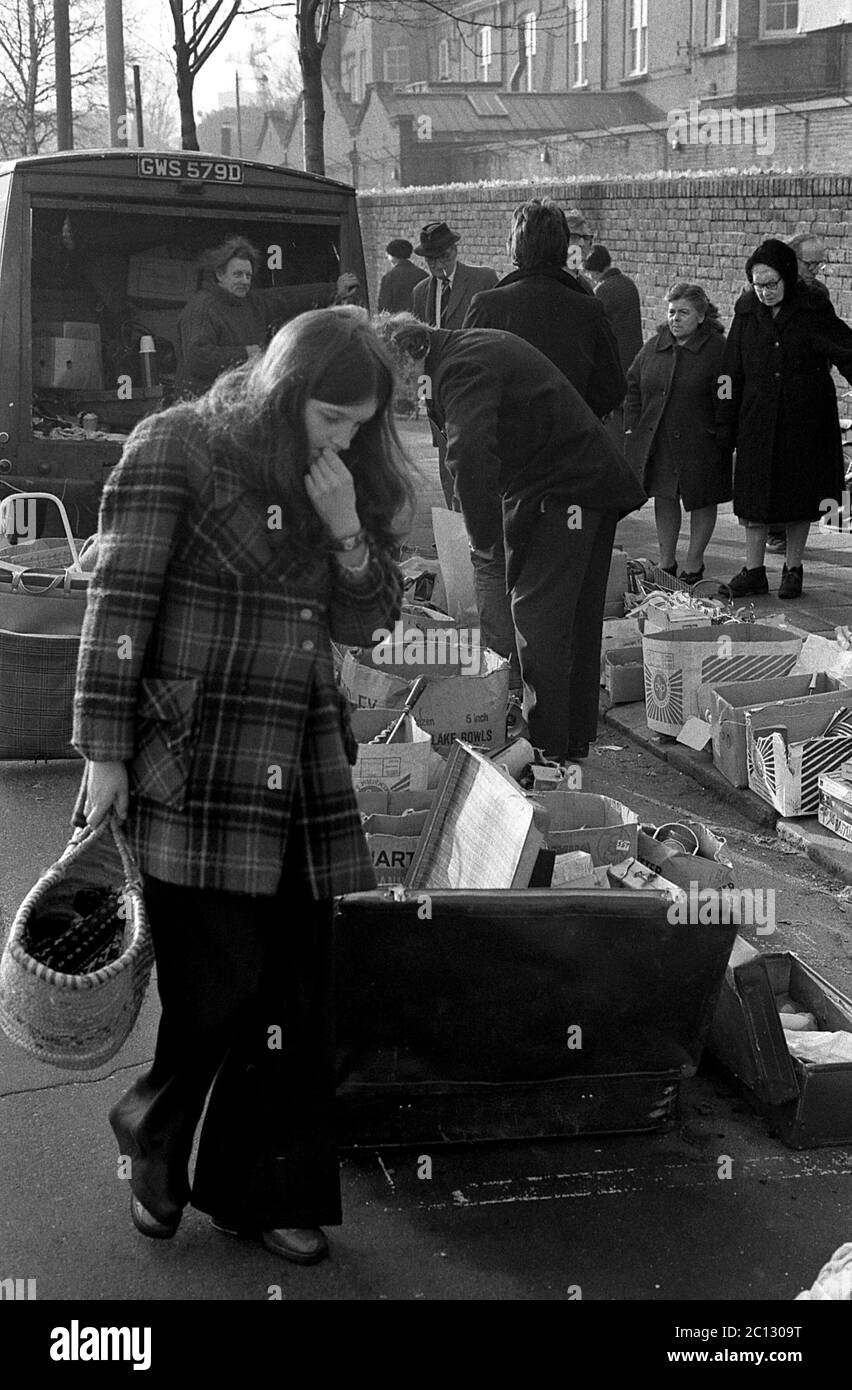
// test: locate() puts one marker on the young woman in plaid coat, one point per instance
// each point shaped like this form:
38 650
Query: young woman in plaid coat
238 534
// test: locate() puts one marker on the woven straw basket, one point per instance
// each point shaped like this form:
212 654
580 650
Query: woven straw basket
78 1021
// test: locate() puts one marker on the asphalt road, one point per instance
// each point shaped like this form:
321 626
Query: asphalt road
645 1218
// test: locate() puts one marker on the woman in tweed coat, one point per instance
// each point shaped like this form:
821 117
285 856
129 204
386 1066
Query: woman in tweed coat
238 534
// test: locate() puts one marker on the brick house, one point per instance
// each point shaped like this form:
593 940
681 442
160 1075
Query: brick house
643 85
282 139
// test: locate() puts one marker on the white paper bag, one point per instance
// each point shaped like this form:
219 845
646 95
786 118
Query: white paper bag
453 547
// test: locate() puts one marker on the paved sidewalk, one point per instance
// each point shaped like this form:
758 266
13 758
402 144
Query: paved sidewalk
826 603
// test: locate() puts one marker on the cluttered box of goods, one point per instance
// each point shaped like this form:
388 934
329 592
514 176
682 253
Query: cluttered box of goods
680 660
791 742
466 686
785 1034
522 973
724 706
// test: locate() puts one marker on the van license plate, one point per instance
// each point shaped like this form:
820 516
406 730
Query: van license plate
152 166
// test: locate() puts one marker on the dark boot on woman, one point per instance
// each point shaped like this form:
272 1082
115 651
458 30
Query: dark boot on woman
791 582
748 582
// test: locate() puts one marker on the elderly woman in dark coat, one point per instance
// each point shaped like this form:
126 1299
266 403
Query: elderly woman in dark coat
779 407
670 427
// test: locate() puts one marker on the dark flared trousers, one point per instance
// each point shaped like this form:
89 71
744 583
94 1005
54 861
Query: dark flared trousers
246 990
557 607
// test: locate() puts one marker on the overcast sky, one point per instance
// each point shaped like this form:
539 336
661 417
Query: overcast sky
217 76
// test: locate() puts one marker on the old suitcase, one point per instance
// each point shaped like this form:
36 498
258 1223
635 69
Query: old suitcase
473 1015
807 1104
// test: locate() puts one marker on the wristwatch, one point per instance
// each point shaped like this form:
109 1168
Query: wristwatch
346 543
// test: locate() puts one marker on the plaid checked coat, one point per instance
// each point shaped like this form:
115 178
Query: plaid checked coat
207 667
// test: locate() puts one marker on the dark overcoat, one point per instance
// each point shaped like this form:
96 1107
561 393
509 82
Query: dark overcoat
396 287
216 327
670 411
620 297
517 432
545 307
468 280
781 411
205 664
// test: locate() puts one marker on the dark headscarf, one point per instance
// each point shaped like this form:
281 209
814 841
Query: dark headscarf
779 257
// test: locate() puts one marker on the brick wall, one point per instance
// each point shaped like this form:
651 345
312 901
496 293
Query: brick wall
817 140
659 231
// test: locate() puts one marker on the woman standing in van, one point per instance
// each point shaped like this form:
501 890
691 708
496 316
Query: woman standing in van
229 322
238 534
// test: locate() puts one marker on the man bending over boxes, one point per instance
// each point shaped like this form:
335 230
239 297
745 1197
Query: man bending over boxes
542 486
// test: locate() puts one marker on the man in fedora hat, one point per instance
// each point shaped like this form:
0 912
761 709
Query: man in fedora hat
398 283
442 301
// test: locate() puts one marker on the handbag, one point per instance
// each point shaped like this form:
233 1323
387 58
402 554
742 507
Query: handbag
87 913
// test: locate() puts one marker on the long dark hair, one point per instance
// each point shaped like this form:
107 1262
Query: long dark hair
254 416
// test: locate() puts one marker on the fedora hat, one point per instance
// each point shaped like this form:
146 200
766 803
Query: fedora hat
435 239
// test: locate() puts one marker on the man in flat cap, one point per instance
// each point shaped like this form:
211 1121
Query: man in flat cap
398 283
442 300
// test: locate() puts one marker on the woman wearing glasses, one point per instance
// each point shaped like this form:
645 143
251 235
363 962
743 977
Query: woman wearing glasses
778 408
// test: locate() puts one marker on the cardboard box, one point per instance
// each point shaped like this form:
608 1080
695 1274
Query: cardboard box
585 820
159 276
835 805
786 751
638 877
70 364
392 842
459 702
378 801
807 1103
618 632
674 618
678 662
88 331
616 585
724 706
398 766
624 679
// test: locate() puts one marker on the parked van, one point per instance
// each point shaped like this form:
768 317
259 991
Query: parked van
100 252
